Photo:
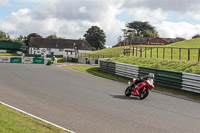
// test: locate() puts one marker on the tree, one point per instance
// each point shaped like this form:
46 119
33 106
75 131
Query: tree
27 39
141 29
196 36
54 36
4 36
20 40
95 37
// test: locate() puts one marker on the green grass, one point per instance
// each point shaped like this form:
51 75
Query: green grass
8 54
193 43
181 66
12 121
95 70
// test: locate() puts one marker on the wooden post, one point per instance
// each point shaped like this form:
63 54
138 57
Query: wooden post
179 53
151 52
136 51
145 52
163 53
133 51
124 51
199 56
93 56
171 53
157 52
140 52
188 54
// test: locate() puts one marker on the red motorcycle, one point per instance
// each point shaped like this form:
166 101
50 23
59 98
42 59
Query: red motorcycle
140 87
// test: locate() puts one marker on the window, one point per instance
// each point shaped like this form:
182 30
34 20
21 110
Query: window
157 41
60 50
35 48
48 49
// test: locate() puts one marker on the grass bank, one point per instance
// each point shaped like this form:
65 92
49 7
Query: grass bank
181 66
12 121
8 54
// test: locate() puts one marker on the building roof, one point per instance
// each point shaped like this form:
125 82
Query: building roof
140 40
173 40
37 42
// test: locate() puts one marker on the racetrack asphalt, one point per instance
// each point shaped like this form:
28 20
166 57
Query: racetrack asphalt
88 104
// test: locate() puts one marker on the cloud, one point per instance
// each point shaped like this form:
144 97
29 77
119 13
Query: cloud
3 2
70 19
183 7
180 29
146 14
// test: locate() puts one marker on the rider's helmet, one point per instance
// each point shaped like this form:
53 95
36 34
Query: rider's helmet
151 76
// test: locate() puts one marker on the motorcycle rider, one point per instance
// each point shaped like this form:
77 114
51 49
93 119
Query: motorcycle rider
140 79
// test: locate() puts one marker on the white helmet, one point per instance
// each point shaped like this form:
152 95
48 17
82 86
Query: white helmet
151 76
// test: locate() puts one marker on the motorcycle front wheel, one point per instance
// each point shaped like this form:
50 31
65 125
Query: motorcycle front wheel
128 91
143 94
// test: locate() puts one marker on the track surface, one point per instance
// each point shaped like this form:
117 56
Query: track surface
87 104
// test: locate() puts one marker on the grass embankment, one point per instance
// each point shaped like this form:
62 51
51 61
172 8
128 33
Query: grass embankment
181 66
95 70
8 54
12 121
175 64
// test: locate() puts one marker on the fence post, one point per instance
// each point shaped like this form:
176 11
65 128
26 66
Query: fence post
136 51
151 52
171 53
157 52
163 53
145 52
179 53
188 54
124 51
140 52
133 51
199 56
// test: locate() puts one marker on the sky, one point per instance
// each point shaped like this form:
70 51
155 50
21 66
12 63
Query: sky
72 18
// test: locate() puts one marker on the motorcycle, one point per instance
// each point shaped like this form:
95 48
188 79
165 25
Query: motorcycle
141 90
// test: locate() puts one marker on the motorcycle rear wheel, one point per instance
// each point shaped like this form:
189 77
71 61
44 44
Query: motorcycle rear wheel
143 94
128 91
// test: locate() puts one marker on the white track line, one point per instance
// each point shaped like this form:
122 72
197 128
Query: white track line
36 117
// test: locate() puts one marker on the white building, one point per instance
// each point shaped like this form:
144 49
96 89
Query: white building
63 47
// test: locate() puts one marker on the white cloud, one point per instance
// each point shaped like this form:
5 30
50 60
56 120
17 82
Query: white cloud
71 19
146 14
181 29
3 2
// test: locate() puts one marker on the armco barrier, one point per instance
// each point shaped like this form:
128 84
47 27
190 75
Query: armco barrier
27 60
15 60
5 59
38 61
191 82
175 80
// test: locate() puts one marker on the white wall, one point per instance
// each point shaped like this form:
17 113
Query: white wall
55 51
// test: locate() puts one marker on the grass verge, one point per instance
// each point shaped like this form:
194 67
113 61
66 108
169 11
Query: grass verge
8 54
95 70
12 121
181 66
